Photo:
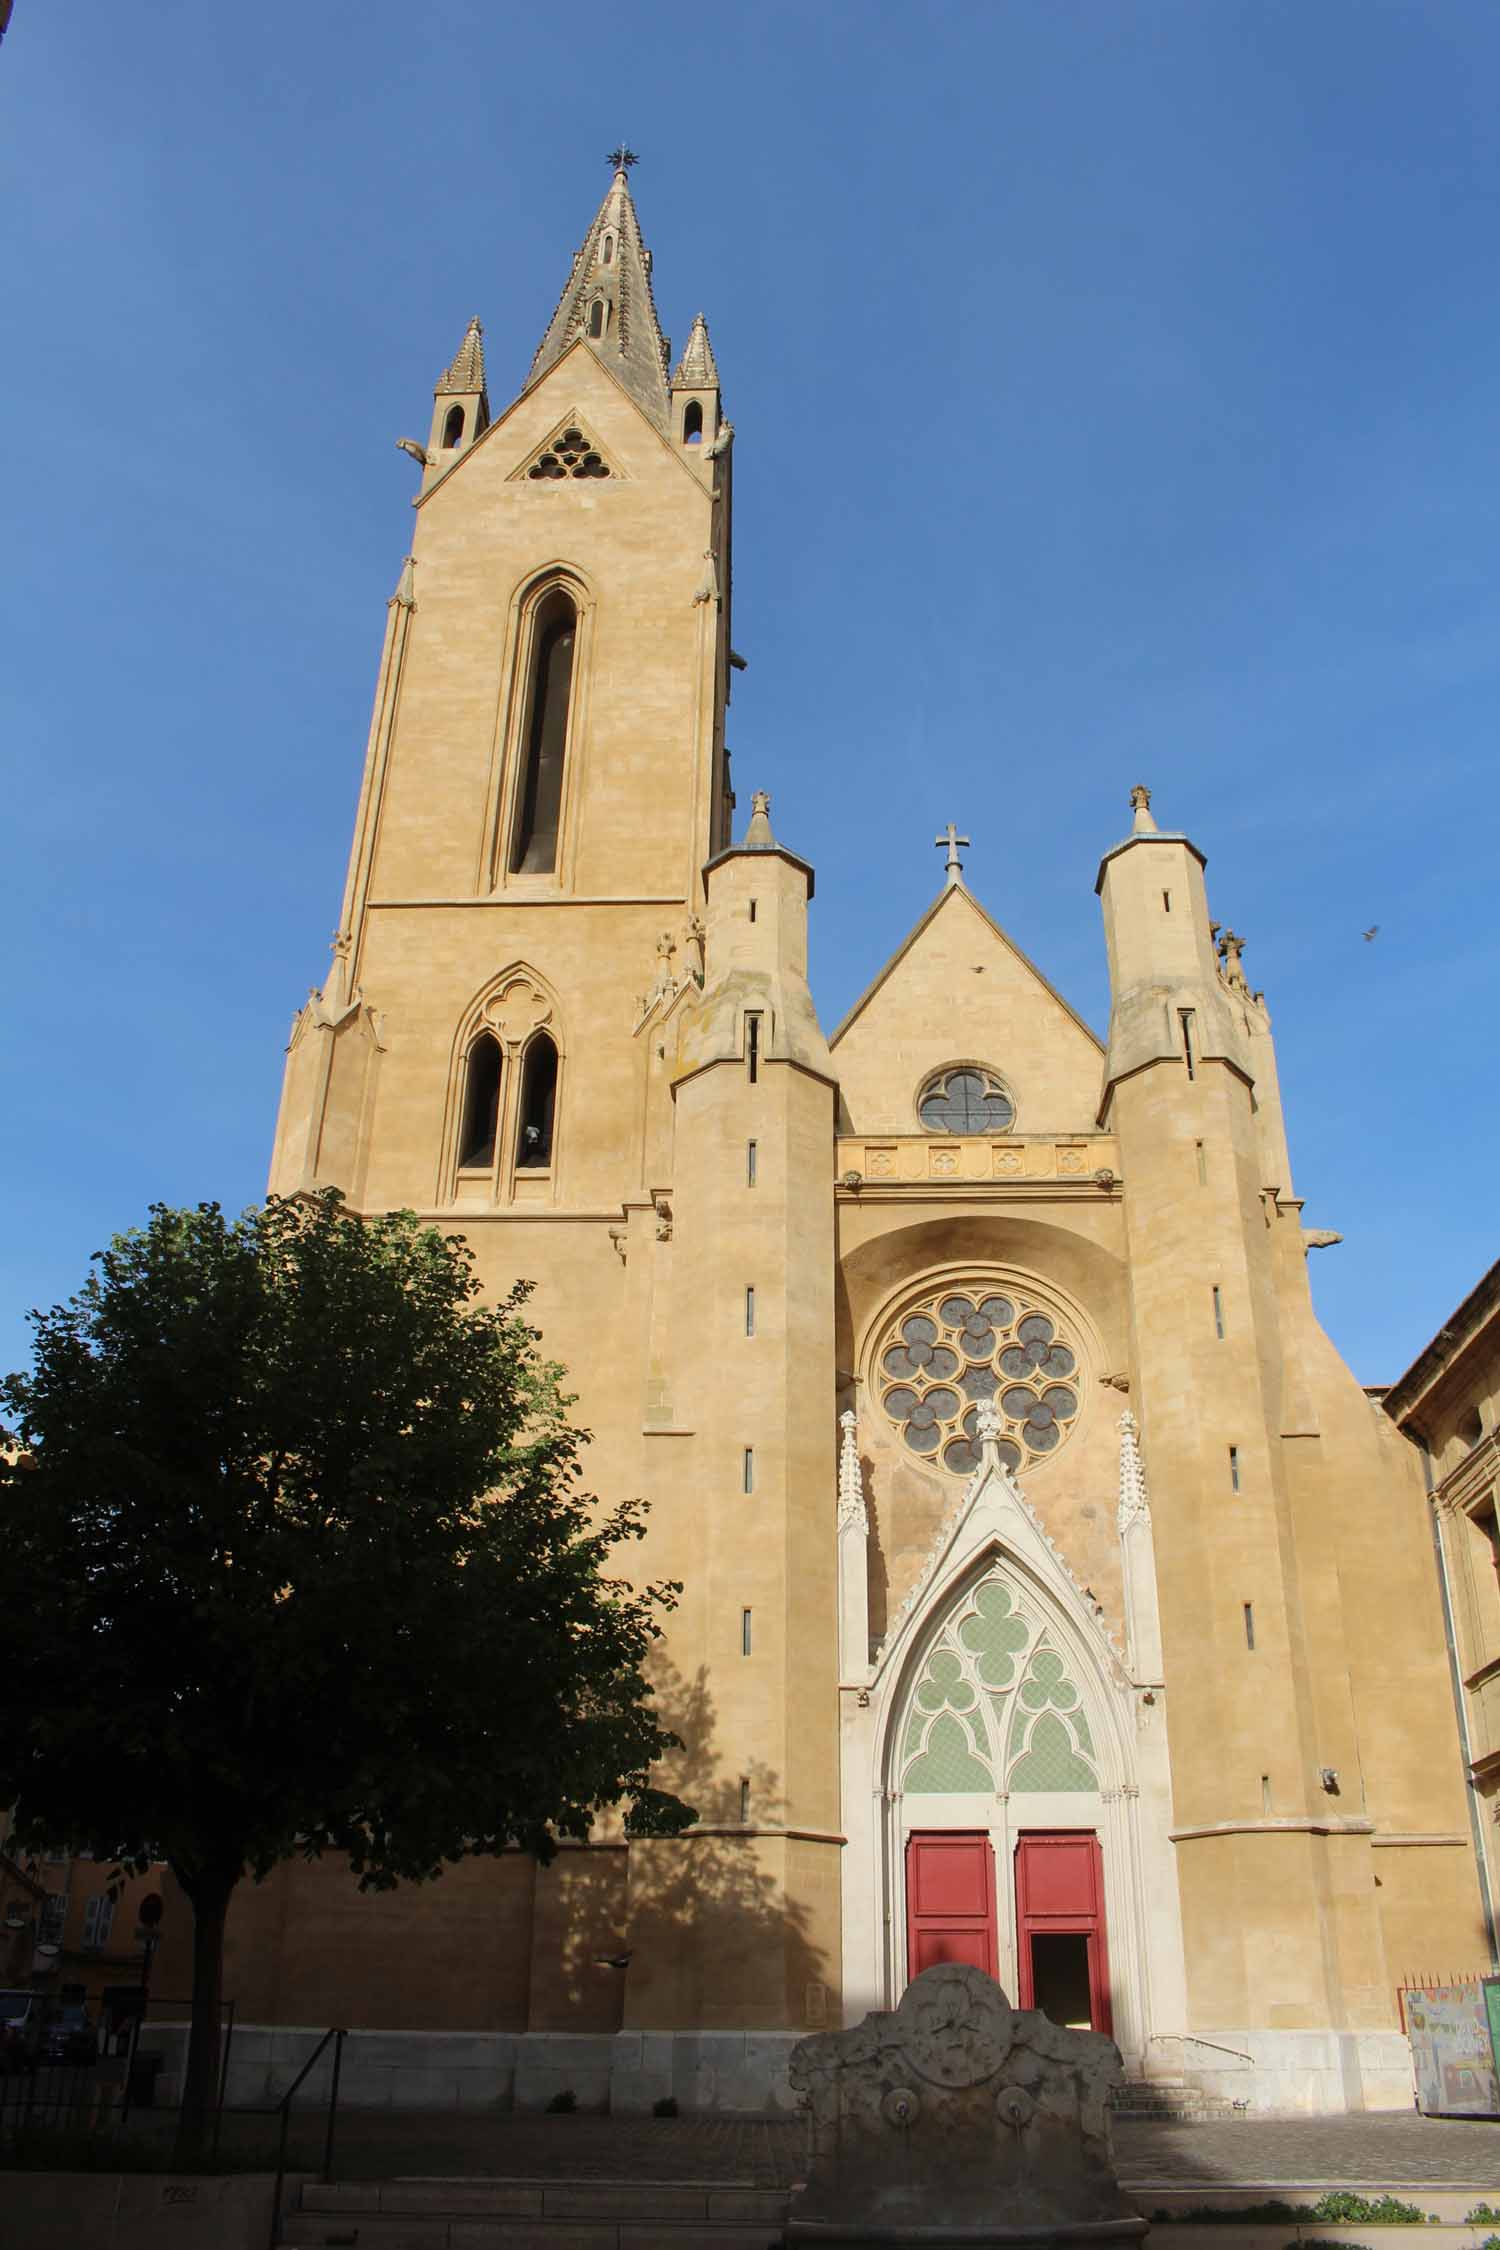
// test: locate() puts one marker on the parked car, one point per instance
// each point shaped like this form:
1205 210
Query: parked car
69 2036
20 2029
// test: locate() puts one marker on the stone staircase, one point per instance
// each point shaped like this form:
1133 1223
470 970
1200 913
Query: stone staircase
1169 2101
533 2215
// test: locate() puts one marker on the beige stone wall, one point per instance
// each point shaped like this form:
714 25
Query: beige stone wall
1143 1198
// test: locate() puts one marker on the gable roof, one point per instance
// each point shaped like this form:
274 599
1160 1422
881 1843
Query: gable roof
959 890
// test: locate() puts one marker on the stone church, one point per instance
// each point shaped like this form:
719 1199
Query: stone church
1054 1597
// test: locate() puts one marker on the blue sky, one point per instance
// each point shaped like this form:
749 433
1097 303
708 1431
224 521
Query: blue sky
1115 389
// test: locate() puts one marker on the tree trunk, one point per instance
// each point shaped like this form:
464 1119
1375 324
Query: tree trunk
210 1893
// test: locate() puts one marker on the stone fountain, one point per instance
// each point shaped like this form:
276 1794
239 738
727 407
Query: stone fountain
956 2118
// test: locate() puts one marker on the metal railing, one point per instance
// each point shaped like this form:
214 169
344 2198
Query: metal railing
284 2111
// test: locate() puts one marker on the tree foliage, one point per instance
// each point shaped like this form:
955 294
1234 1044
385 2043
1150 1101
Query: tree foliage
298 1560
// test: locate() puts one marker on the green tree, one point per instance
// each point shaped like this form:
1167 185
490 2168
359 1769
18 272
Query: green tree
298 1560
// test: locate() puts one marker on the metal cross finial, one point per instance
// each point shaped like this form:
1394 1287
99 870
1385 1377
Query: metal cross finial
952 843
620 159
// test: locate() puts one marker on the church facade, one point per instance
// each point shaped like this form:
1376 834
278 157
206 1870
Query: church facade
1053 1596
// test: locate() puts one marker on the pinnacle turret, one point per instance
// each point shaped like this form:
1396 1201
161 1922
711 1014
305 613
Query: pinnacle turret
465 376
697 368
607 301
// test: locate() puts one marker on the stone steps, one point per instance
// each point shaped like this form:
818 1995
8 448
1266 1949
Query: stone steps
534 2215
1170 2100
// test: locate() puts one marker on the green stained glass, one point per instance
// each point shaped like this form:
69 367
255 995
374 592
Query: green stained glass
1050 1763
1047 1683
994 1635
1081 1732
943 1684
949 1763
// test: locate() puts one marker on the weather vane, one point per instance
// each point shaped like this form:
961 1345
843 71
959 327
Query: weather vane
620 159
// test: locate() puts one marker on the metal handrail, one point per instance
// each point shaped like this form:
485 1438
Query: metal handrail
284 2106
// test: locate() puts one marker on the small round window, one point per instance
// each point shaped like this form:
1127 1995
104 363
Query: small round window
965 1099
970 1347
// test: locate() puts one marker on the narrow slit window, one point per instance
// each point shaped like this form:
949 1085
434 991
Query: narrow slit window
1202 1163
1166 902
453 428
1234 1468
609 250
538 1105
1185 1018
545 739
752 910
692 423
1218 1312
1265 1792
476 1141
744 1793
747 1470
749 1312
744 1632
1249 1608
752 1048
751 1152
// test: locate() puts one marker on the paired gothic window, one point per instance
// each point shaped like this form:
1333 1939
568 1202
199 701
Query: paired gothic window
453 428
963 1098
544 736
962 1349
529 1117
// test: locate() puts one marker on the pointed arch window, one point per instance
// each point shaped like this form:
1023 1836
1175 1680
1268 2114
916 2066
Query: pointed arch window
609 250
538 1105
692 423
481 1118
997 1704
453 428
598 318
545 735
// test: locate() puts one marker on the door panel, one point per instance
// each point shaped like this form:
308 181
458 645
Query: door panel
950 1901
1060 1894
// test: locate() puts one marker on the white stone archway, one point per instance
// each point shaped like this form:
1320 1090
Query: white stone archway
999 1702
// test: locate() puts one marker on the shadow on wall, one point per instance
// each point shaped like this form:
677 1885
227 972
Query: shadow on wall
720 1930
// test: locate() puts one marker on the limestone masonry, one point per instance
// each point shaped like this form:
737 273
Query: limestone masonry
1055 1601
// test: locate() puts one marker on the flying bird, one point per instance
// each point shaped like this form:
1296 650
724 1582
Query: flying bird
1372 932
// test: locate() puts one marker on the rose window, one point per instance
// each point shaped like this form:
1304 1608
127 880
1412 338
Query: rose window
964 1099
968 1348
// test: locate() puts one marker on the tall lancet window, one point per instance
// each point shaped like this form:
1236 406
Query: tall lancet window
481 1121
538 1105
554 636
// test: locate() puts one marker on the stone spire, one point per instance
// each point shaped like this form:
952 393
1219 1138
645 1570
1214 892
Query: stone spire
1134 1506
758 836
1143 823
697 369
851 1484
466 374
607 301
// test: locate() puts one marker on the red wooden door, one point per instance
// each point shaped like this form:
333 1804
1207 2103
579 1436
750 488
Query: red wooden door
950 1901
1061 1944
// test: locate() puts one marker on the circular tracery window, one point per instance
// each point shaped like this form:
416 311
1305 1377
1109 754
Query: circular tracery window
943 1360
965 1099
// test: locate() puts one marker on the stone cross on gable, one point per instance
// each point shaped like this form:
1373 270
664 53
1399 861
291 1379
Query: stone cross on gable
952 843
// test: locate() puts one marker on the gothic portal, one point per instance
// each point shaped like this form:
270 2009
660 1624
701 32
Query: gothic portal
1053 1596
